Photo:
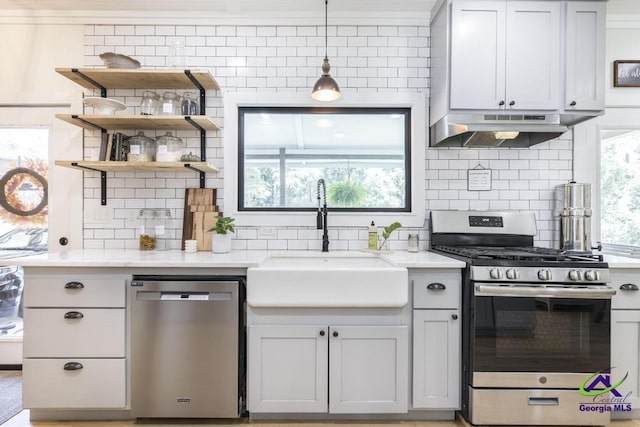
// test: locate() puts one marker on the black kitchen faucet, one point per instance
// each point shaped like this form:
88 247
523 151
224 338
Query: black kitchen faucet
322 215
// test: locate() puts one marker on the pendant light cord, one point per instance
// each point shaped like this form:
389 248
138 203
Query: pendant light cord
325 29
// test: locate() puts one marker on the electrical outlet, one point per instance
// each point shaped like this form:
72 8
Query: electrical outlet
267 232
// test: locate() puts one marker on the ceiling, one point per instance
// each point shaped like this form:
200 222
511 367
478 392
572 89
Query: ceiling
247 7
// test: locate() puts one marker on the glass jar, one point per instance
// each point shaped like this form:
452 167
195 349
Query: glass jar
153 232
189 104
168 148
150 103
170 104
141 148
412 245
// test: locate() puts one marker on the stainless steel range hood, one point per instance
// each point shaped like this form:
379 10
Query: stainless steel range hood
495 129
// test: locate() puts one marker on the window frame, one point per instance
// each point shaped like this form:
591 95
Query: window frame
415 101
405 112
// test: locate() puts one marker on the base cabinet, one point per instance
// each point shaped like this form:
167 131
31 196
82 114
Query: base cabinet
436 359
625 338
342 369
436 339
75 341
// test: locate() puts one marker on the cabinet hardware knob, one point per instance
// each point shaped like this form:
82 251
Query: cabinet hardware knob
454 316
436 287
629 287
512 103
73 315
322 333
573 103
73 366
73 285
335 333
501 103
63 241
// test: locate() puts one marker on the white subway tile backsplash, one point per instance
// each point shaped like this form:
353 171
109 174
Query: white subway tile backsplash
364 59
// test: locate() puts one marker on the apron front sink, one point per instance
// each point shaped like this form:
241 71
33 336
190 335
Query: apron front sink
327 280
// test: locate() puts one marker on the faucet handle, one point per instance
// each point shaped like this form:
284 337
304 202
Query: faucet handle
319 220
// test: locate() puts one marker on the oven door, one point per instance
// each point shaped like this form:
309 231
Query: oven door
539 336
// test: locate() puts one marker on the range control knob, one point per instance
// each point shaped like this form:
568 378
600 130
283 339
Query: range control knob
575 275
495 273
512 273
544 275
591 275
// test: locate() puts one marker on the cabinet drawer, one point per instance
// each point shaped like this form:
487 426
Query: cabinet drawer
100 383
69 290
100 332
623 282
436 290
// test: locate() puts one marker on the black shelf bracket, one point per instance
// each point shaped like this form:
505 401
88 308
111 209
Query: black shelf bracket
103 181
203 146
103 90
93 125
200 88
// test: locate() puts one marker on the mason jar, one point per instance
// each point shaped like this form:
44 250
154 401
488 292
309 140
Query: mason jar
152 231
170 103
168 148
141 148
150 103
189 104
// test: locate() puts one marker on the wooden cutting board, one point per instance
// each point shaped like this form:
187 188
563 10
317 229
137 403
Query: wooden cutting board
198 200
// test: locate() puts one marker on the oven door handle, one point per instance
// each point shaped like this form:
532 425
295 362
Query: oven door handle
487 290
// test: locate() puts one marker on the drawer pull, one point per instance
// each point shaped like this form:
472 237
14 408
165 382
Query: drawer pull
454 316
629 287
73 315
73 366
436 287
73 285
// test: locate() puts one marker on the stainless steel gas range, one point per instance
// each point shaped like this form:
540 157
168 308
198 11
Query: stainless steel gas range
536 321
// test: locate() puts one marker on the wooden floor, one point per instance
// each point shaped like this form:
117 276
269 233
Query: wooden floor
22 420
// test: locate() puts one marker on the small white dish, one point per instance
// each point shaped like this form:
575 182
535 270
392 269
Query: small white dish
103 105
117 60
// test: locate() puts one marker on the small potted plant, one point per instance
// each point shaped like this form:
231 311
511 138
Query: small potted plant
386 233
221 235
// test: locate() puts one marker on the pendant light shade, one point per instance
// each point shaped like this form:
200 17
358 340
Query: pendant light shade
326 88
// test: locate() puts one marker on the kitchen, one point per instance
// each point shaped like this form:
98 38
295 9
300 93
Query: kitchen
370 60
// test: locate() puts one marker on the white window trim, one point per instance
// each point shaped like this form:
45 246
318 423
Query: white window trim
587 158
415 101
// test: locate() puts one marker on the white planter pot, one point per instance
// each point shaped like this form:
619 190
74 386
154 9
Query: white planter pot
220 243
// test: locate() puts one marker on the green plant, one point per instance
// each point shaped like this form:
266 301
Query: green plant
346 194
224 225
386 232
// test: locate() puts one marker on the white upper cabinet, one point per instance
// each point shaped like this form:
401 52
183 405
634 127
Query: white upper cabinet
585 38
505 55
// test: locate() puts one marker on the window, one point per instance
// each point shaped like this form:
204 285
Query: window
363 154
620 187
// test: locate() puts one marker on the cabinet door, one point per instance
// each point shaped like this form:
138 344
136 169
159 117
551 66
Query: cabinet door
625 353
287 368
585 35
368 369
477 54
533 55
436 359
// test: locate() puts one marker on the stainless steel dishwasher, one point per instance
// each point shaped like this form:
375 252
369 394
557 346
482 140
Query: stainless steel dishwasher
187 346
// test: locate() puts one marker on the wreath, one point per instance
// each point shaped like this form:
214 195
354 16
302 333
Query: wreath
17 210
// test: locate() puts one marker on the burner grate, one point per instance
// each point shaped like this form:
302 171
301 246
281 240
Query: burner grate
532 253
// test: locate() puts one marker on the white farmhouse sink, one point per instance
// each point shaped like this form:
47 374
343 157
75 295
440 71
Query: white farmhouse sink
327 280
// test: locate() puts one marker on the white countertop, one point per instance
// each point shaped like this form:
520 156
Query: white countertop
205 259
618 261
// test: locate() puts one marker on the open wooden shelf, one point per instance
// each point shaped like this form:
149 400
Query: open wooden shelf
97 121
138 166
138 78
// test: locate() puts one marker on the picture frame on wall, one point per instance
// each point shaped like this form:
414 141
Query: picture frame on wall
626 73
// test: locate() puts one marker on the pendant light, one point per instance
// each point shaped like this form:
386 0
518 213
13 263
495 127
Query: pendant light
325 89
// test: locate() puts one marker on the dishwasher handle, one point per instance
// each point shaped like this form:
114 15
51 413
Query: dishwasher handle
183 296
